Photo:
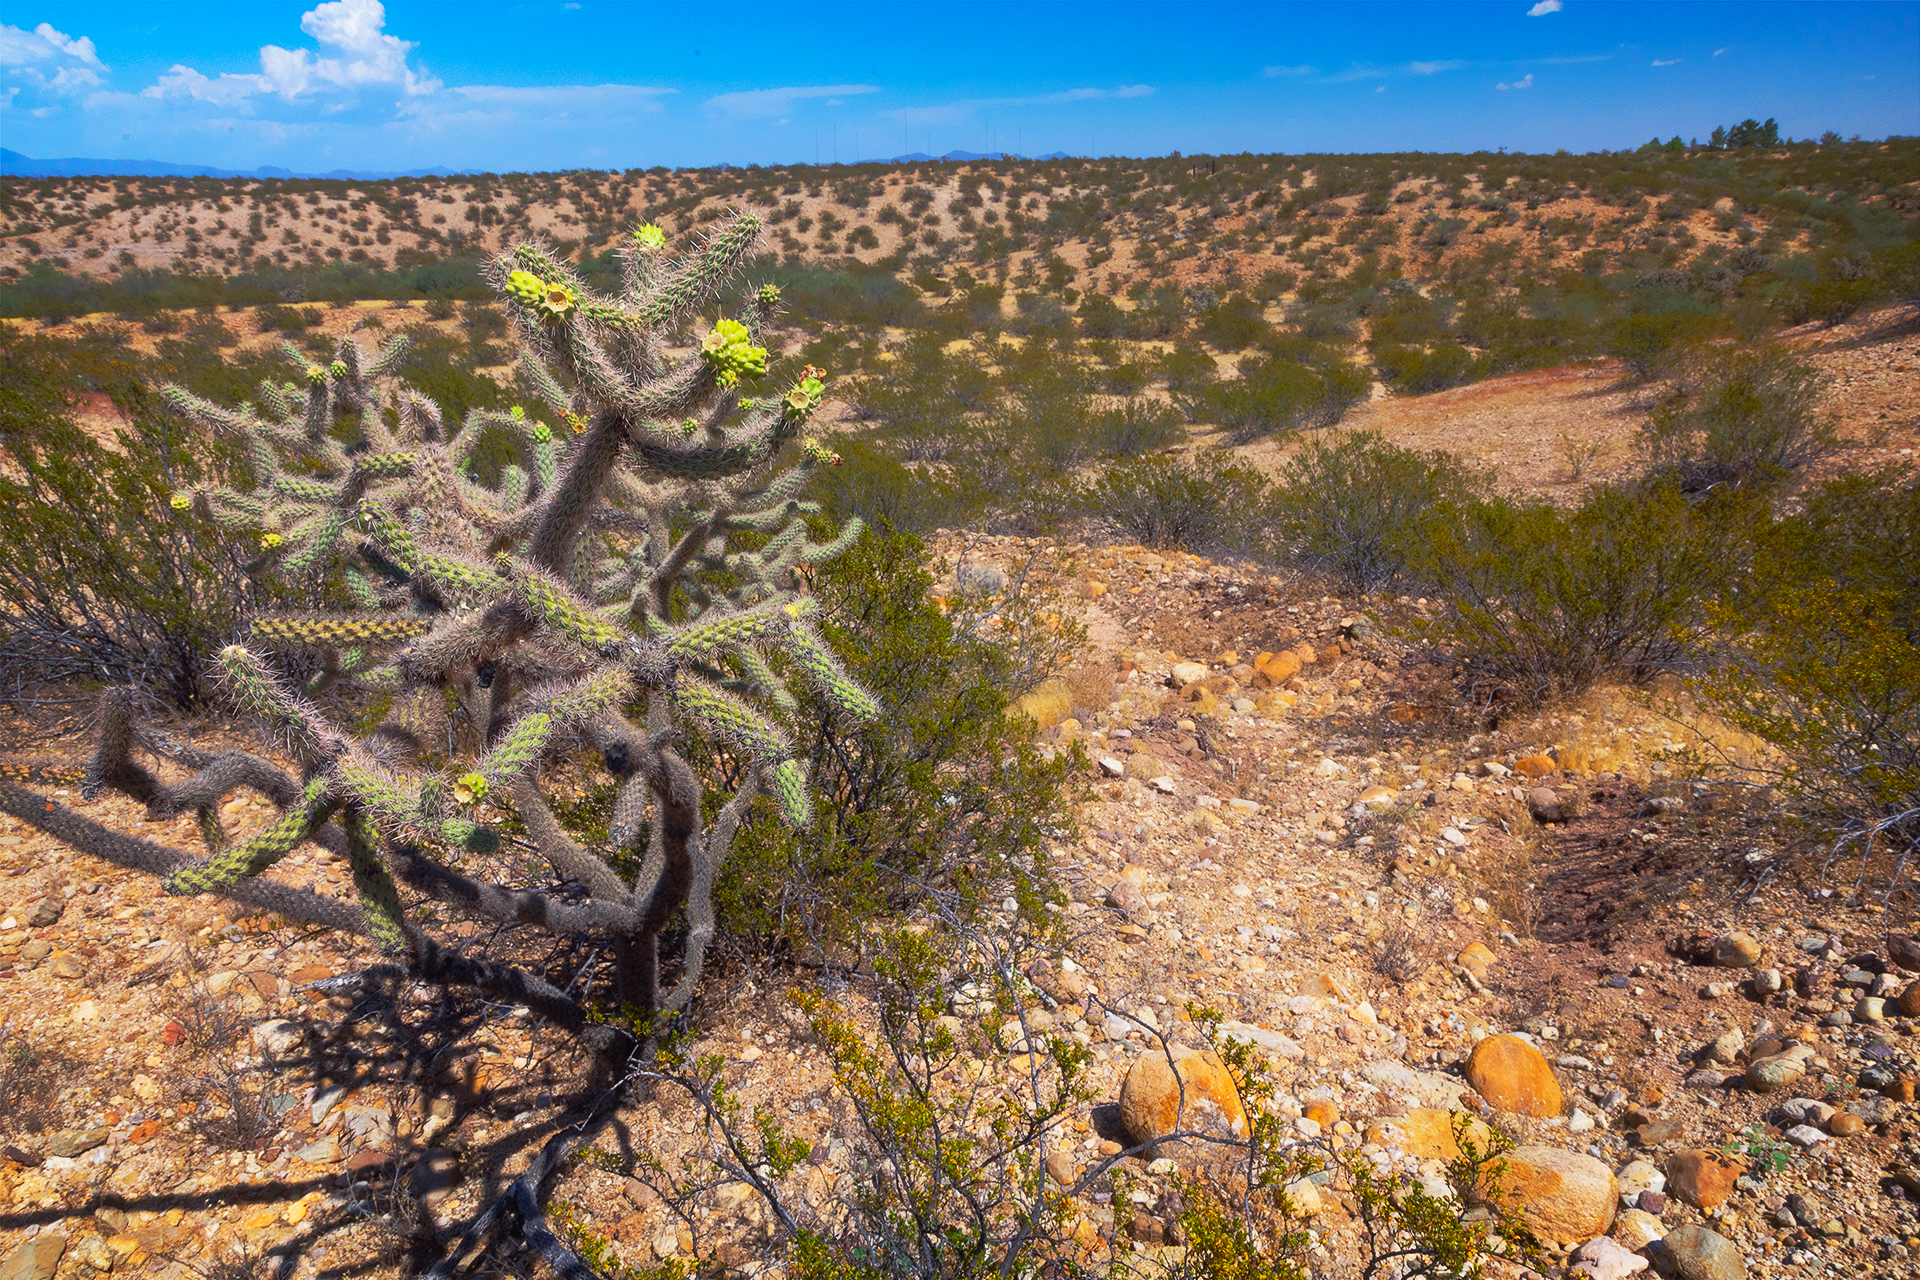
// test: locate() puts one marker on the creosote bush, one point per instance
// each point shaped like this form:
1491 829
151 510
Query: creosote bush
1361 508
1537 603
1742 419
1167 501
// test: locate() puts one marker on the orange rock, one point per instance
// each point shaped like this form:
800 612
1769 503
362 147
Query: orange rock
145 1131
1404 714
1305 653
1279 667
1427 1133
1535 766
1514 1076
1323 1114
1910 1000
1702 1178
1563 1195
1152 1105
1476 959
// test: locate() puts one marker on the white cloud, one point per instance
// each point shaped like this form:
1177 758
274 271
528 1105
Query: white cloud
765 104
1544 8
1668 62
1380 89
1524 83
1274 72
1718 52
49 62
355 28
1133 91
1373 71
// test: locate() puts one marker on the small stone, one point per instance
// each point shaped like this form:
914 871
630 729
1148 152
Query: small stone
1638 1228
1767 982
47 912
1638 1176
1061 1169
1735 951
1603 1258
1805 1111
1904 951
1846 1125
1544 804
276 1038
1535 766
92 1251
1694 1253
1113 768
1870 1009
66 965
325 1151
435 1175
1701 1178
34 1259
69 1143
1453 837
1804 1135
1427 1133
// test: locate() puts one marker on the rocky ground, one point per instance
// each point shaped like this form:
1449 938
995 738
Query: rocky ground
1585 928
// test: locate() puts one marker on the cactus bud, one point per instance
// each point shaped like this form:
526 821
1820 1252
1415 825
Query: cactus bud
524 287
689 426
180 502
338 369
517 413
729 351
650 237
769 294
268 541
542 432
316 375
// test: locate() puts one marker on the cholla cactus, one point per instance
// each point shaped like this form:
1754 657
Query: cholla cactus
598 594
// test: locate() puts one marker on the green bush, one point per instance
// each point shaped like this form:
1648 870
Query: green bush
1165 501
1742 418
1820 654
945 792
101 581
1415 372
1539 603
1277 396
1136 426
1360 508
1233 325
876 486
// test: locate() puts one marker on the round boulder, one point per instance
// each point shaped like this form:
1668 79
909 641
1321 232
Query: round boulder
1562 1195
1156 1102
1513 1076
1695 1253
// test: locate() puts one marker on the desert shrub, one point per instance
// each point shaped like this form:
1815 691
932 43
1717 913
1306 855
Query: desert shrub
949 793
1820 655
872 483
100 579
1049 415
1416 372
1648 345
1276 396
1134 427
1360 507
1538 603
1744 418
1164 501
1101 317
1233 324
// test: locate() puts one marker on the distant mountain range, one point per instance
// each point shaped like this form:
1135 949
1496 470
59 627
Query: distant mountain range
15 165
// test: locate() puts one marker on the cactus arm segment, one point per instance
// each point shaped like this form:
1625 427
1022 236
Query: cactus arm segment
238 862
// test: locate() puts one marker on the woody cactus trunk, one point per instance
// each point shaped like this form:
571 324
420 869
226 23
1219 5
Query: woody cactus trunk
629 577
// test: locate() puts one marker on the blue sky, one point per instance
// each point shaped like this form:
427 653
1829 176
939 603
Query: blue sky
475 84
